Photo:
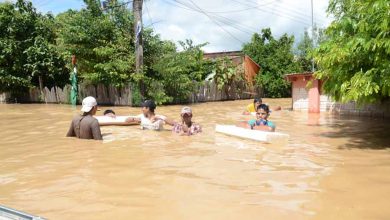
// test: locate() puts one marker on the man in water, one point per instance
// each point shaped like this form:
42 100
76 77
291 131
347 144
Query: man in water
109 113
148 119
187 126
85 126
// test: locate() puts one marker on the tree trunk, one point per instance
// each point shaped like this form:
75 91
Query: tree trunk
41 88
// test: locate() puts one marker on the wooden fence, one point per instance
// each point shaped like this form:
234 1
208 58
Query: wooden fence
109 95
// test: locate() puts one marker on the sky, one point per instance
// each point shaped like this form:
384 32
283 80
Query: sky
224 24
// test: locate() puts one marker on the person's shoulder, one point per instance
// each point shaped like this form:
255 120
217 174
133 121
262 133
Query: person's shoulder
271 124
90 119
77 117
163 117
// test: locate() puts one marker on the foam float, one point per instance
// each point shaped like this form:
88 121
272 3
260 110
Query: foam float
118 120
255 135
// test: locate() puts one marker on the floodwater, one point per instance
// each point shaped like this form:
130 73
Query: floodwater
332 167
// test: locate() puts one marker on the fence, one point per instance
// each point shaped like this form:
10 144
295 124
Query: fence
109 95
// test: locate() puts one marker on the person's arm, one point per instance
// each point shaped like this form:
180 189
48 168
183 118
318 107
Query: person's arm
96 133
243 124
133 119
169 121
269 127
263 128
165 119
71 132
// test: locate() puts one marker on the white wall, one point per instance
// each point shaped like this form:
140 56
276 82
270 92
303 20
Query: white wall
300 96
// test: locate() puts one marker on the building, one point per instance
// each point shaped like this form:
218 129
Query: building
307 96
251 68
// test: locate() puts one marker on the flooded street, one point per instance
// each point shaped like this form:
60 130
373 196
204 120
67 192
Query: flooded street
332 167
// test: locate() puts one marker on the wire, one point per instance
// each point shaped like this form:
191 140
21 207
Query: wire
215 22
290 11
279 14
150 18
219 18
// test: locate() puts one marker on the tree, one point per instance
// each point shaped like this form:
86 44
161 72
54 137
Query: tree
27 53
226 74
179 72
275 58
101 40
305 48
354 61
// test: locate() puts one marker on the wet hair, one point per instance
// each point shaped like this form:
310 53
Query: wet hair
257 100
108 111
264 107
88 113
149 104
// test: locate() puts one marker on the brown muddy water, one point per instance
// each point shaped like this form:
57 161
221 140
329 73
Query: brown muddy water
332 167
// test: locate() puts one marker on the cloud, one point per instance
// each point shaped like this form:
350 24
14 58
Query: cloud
228 31
224 24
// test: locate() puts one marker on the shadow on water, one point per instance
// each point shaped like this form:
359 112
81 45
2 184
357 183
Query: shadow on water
362 133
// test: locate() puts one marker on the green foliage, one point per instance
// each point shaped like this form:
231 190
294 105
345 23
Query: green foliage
156 92
136 95
101 41
27 48
355 58
179 72
275 58
227 73
305 48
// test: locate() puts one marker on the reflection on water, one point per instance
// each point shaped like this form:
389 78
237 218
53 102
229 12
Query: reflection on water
330 168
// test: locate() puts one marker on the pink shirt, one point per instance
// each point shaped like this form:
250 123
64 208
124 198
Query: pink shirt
178 128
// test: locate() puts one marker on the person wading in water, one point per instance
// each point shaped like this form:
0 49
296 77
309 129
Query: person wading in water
85 126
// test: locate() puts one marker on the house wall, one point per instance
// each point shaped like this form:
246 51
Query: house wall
300 96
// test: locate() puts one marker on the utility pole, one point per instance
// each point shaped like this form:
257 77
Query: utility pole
312 36
139 55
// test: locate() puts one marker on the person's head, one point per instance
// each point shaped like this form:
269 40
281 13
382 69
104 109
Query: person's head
186 114
257 102
109 112
89 106
262 112
148 106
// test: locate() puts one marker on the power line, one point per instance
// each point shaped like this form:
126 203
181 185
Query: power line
221 19
150 18
216 22
280 15
226 21
291 11
296 12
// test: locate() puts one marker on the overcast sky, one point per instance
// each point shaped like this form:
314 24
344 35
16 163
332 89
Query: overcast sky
224 24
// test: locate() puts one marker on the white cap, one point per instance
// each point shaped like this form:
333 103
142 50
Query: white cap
88 103
186 110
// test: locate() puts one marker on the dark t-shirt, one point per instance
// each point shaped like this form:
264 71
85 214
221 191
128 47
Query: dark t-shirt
85 127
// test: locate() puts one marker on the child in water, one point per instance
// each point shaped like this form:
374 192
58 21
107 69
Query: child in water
261 122
109 113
